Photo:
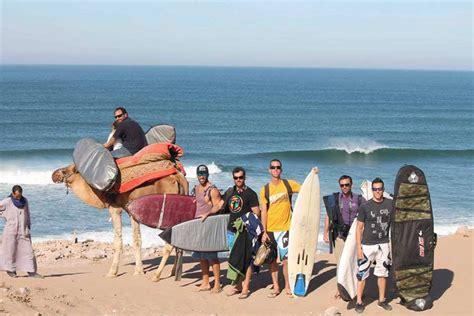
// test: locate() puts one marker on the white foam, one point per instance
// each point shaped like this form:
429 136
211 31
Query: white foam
150 236
355 145
191 170
26 177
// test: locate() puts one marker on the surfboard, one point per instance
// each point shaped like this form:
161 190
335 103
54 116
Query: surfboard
95 164
162 210
303 238
161 134
413 238
196 235
347 267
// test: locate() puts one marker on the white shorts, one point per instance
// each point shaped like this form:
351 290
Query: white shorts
379 253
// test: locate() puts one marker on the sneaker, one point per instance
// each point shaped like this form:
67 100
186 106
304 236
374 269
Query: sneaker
11 274
385 305
35 275
359 308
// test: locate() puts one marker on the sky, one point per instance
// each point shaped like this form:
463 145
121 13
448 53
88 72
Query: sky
328 34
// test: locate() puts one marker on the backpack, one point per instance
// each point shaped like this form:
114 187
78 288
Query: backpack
288 189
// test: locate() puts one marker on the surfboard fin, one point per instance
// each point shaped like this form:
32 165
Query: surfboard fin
300 285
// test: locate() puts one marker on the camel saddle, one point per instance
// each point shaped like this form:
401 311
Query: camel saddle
153 162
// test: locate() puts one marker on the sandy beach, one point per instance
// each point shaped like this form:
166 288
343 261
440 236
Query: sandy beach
74 284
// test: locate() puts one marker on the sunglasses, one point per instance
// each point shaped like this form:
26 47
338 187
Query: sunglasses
377 189
275 167
239 178
118 116
342 185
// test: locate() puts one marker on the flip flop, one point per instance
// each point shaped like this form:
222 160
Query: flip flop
243 296
273 294
234 292
204 289
216 291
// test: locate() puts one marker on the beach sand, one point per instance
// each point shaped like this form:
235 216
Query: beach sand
74 284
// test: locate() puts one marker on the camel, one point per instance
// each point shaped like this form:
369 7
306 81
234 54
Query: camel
173 184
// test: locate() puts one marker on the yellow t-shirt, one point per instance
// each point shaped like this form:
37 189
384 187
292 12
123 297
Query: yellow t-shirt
279 212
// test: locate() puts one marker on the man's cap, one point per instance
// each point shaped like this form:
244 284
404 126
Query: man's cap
202 170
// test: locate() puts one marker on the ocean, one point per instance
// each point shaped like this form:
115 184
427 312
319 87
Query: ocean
364 123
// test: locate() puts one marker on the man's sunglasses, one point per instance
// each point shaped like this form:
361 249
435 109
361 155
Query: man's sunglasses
239 178
342 185
377 189
275 167
118 116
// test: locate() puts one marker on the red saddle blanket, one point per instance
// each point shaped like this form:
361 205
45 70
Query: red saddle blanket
162 210
151 163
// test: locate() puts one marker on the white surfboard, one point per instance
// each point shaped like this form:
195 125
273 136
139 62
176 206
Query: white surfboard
304 231
347 267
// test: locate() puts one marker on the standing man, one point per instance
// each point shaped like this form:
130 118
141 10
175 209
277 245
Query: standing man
275 199
341 208
239 200
208 202
129 132
16 252
373 224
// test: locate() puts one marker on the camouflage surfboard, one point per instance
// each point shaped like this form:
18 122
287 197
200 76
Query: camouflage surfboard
413 238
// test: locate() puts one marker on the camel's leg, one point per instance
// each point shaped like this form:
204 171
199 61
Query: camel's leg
178 265
167 249
175 263
137 246
116 215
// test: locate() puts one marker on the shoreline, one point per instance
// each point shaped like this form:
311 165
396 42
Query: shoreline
74 283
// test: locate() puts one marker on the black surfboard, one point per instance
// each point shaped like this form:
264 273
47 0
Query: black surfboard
413 238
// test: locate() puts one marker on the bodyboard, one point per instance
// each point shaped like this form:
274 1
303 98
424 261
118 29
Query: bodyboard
196 235
161 134
95 164
303 238
413 239
162 210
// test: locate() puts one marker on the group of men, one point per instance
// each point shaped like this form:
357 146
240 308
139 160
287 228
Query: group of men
274 210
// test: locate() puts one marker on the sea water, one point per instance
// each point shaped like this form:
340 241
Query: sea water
364 123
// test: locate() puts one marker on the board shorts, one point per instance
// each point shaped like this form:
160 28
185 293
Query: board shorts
204 255
380 253
281 240
230 239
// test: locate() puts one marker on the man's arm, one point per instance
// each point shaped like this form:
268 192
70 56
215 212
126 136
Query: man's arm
256 210
326 230
217 203
110 143
264 211
359 231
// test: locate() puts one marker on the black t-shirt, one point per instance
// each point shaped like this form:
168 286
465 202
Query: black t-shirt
237 204
131 134
376 219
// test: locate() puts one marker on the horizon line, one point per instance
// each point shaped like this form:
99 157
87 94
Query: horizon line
234 66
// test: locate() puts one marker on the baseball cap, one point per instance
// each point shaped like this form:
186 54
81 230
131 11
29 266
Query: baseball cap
202 170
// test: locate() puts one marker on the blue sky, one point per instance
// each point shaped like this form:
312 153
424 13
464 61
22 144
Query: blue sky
349 34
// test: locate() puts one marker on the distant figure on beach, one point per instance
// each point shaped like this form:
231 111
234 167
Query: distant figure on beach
129 132
208 202
373 225
118 142
16 252
344 207
239 201
275 198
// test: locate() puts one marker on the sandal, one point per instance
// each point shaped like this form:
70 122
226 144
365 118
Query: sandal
216 291
243 296
234 292
204 289
273 294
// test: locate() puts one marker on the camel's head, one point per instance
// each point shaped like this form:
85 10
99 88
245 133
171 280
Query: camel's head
62 175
